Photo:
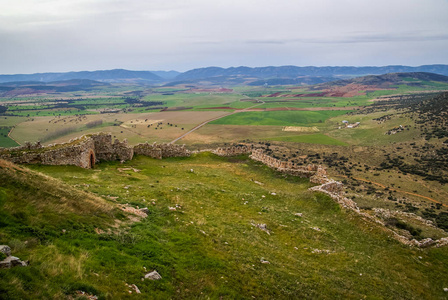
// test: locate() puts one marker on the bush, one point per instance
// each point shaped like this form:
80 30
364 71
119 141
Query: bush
415 232
442 220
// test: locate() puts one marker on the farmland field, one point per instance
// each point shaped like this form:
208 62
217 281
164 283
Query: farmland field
5 141
279 118
310 138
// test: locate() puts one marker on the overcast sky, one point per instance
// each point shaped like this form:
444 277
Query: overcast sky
75 35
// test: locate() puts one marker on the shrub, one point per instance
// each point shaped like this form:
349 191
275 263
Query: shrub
415 232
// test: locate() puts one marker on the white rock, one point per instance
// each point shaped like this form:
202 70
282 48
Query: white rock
135 288
153 275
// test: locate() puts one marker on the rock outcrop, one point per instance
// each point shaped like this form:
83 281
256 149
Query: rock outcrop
10 261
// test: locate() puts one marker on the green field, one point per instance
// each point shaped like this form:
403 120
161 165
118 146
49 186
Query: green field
279 118
5 141
310 139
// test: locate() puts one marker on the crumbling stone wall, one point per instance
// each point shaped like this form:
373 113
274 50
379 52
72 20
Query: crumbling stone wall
77 153
107 151
285 166
160 151
83 152
233 150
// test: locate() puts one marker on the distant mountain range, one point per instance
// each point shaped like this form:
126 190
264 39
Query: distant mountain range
387 80
117 75
234 75
16 88
294 72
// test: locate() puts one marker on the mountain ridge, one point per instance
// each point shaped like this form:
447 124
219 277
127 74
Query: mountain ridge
268 72
294 71
115 75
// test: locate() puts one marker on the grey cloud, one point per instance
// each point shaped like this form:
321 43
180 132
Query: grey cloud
55 35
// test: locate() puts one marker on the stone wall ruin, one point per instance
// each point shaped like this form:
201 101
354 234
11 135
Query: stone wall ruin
87 150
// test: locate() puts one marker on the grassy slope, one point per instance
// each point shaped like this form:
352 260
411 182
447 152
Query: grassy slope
207 248
35 209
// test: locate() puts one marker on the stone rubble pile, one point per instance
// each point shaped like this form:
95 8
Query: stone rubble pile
10 261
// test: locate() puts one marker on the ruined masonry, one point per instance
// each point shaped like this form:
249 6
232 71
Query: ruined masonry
87 150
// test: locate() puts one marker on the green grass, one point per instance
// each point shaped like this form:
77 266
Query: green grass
310 139
5 140
307 102
207 248
279 118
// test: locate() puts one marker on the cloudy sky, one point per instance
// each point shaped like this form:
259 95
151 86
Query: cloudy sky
75 35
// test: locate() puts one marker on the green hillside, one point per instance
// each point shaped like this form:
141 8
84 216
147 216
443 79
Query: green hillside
208 247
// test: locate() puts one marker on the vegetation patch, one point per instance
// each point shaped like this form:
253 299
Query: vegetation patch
5 140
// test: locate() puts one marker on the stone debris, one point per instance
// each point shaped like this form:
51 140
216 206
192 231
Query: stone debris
121 170
262 227
134 287
86 295
445 290
145 210
10 261
153 275
263 261
132 210
298 214
274 194
319 251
